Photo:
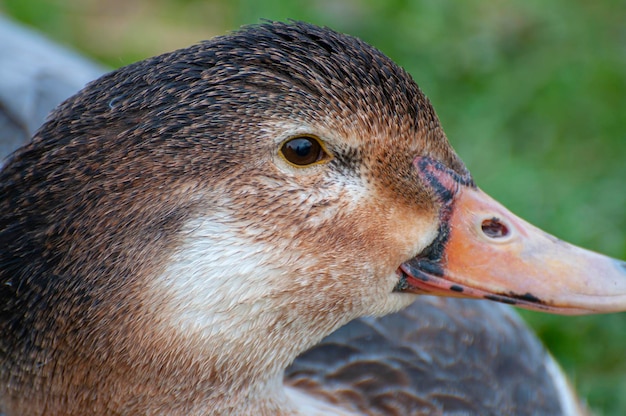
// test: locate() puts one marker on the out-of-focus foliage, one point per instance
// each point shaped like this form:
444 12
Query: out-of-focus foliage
531 93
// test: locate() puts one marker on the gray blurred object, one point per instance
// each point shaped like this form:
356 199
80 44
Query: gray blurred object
35 76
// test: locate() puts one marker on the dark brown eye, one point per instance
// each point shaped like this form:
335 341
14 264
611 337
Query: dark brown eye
303 150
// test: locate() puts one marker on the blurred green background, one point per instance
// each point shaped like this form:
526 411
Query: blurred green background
531 93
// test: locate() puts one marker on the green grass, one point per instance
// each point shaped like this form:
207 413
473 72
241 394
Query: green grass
531 93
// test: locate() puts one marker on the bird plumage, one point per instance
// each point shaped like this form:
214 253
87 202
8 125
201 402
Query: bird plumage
159 254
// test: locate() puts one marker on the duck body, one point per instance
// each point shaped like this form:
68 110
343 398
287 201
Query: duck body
168 247
437 356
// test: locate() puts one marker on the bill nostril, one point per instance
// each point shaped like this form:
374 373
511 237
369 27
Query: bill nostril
494 228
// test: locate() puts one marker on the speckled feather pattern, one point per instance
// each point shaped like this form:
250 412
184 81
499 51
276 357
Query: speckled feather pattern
98 213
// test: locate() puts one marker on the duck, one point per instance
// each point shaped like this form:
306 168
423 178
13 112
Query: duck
257 224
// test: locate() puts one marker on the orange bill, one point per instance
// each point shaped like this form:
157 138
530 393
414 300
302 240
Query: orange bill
485 251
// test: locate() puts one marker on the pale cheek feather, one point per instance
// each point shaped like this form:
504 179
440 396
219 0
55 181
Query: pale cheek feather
218 275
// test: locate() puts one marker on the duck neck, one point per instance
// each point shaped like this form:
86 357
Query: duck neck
237 319
237 370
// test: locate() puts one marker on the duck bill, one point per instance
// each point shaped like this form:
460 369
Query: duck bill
485 251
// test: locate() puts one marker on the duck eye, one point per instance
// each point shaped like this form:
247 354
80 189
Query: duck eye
303 150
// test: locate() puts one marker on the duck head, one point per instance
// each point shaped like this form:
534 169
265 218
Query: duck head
182 228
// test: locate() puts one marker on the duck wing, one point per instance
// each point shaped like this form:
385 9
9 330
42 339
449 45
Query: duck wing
438 356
